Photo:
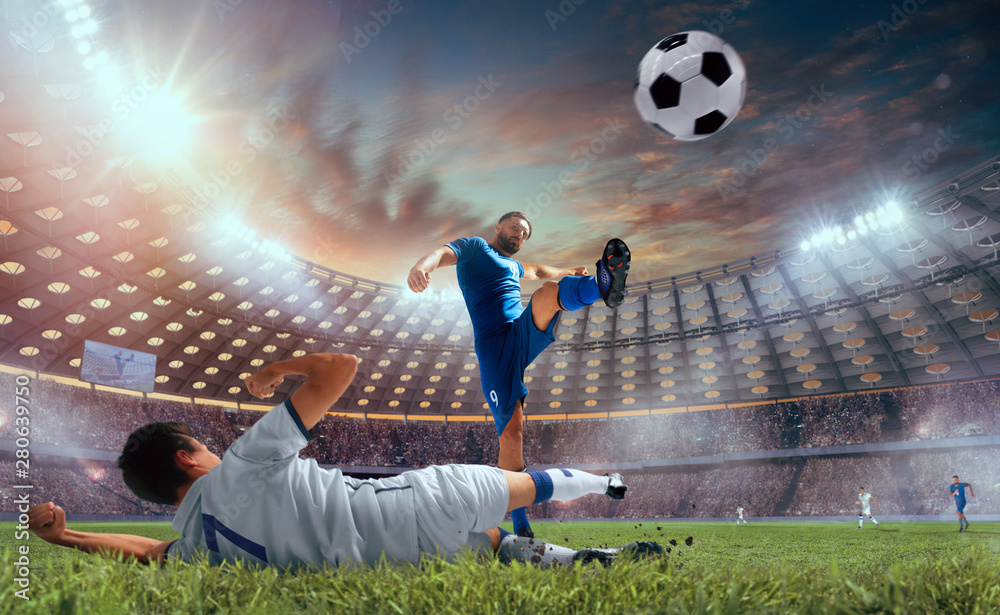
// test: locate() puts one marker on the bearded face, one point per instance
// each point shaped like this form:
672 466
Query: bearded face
511 235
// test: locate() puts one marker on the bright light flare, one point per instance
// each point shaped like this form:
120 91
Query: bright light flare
160 126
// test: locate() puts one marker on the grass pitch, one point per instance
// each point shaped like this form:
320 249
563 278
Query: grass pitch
792 567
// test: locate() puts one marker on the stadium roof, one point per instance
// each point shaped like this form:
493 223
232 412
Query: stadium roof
96 247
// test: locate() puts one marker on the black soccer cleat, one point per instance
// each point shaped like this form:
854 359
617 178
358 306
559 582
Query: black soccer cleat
616 486
611 272
525 532
634 552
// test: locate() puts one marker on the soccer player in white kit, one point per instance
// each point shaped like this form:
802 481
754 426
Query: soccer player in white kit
864 500
262 504
739 516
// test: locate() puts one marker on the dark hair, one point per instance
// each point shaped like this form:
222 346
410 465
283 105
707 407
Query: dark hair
955 476
147 461
516 214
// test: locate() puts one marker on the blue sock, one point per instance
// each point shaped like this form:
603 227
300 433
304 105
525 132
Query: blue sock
503 533
520 519
578 291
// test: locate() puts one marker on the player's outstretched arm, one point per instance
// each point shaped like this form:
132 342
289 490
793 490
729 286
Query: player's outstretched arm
420 274
327 375
971 494
48 522
544 272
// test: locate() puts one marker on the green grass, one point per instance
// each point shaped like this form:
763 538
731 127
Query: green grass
760 568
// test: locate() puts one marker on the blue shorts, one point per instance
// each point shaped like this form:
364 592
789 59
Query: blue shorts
503 357
960 505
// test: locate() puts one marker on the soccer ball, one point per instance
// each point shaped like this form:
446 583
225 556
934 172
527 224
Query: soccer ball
690 85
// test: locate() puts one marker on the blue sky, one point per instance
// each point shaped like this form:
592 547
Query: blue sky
894 77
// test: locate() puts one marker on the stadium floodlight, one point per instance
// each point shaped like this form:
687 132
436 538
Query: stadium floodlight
78 31
859 222
852 235
84 48
89 63
893 212
805 246
160 126
89 27
229 224
83 12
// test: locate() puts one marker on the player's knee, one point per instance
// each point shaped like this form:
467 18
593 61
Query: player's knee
549 292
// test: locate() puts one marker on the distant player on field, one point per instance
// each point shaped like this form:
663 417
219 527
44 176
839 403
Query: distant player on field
957 490
739 516
263 504
507 336
864 500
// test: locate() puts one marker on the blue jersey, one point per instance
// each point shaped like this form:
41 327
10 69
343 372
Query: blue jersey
490 283
959 490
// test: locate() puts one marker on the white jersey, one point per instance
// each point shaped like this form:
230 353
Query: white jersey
739 511
865 504
263 504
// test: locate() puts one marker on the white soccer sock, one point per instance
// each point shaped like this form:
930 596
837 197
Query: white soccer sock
572 484
514 548
861 521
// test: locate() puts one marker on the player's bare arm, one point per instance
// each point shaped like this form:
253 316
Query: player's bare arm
48 522
971 494
545 272
327 377
419 277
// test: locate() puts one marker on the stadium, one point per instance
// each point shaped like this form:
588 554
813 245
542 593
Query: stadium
848 346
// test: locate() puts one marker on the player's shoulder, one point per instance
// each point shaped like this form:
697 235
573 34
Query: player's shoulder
475 241
466 247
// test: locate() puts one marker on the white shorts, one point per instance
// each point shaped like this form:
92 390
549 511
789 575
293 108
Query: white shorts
867 511
455 504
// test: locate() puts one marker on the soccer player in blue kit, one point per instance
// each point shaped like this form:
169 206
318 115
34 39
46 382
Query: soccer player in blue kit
263 504
957 490
507 336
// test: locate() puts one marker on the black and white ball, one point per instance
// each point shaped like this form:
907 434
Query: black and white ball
690 85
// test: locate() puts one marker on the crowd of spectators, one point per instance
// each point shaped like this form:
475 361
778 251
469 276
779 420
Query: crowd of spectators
830 486
950 411
841 419
76 417
932 472
86 487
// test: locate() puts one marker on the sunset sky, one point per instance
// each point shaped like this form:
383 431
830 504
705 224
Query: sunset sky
372 165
